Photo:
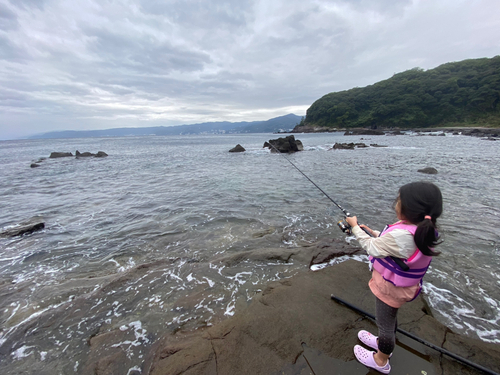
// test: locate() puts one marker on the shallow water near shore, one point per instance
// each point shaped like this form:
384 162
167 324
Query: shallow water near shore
132 240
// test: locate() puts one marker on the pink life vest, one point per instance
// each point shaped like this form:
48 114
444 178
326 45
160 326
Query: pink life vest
390 271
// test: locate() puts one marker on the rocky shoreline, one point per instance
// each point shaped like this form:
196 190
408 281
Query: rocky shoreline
294 327
482 132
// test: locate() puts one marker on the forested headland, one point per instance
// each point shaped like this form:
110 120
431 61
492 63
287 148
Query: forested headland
465 93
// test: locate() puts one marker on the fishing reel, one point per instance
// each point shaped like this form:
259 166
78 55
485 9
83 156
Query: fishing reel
345 227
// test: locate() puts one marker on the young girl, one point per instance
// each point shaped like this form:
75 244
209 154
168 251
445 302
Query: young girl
411 239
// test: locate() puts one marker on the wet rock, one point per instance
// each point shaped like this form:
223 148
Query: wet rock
83 154
55 155
364 132
482 132
428 170
34 165
267 336
26 227
376 145
263 233
348 146
238 148
284 145
263 255
100 154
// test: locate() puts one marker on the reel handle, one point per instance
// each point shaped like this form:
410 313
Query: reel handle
346 228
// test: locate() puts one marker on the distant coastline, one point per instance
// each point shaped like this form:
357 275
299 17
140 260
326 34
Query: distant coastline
277 124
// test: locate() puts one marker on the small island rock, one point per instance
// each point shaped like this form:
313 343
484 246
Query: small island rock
55 155
284 145
238 148
348 146
428 170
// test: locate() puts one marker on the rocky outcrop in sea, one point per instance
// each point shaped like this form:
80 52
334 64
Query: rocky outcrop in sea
284 145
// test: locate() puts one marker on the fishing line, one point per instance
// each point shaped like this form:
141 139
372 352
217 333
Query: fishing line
311 181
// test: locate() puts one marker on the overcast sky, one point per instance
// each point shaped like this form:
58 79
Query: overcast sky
97 64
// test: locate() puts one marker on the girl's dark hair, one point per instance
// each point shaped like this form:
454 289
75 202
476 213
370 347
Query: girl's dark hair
420 199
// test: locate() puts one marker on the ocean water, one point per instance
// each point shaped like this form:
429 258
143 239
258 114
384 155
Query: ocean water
133 241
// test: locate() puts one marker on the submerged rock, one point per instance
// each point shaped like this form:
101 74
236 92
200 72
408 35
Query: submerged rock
25 227
284 145
428 170
237 148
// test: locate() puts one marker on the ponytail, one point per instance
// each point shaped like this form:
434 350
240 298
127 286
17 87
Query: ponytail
426 237
422 204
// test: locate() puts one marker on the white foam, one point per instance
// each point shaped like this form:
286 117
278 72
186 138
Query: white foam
360 258
135 368
210 282
22 352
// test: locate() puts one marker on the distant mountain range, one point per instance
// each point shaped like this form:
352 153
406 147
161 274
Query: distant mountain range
277 124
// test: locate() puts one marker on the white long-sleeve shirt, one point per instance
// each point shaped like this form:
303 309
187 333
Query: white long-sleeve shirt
398 243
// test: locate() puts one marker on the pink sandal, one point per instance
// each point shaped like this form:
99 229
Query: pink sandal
365 357
369 339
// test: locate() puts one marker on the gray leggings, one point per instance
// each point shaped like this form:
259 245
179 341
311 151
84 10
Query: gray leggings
387 324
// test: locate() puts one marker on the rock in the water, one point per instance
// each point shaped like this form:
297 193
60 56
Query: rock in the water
284 145
34 165
100 154
238 148
376 145
25 227
54 155
348 146
428 170
83 154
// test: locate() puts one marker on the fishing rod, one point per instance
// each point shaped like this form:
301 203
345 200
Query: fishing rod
418 339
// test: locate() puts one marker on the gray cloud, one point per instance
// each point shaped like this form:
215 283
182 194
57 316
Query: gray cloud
100 64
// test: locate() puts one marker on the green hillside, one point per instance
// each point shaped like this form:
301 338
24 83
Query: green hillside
462 93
